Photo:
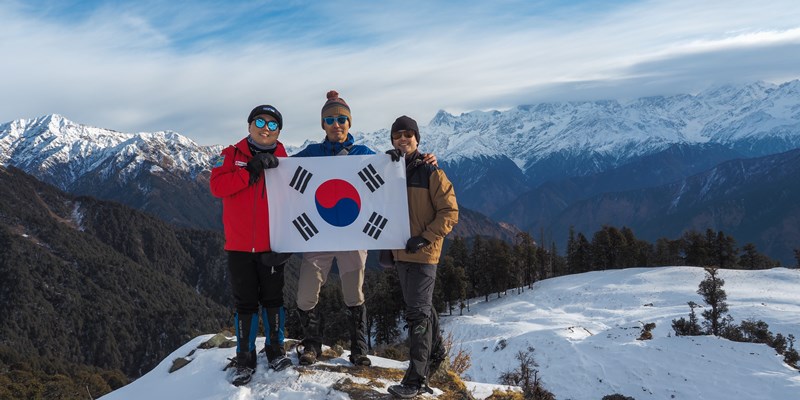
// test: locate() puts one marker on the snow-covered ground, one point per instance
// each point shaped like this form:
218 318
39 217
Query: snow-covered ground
584 330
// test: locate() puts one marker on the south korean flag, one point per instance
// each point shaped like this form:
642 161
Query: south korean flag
337 204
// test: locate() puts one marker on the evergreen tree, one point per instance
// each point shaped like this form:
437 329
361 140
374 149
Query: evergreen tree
756 332
526 257
629 250
696 249
641 251
687 328
725 250
480 270
459 252
790 356
583 254
572 251
667 252
558 265
751 259
601 250
452 280
607 247
541 258
541 263
500 261
713 295
797 257
779 344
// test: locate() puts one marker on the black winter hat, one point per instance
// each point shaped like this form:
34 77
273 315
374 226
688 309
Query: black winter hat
405 123
266 109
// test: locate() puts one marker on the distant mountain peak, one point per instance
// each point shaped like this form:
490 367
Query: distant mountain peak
442 118
62 152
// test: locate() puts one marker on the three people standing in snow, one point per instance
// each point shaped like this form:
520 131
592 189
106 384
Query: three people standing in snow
257 273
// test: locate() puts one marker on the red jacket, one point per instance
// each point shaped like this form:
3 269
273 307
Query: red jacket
245 212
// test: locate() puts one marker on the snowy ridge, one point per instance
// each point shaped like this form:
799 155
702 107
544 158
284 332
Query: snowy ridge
583 329
735 116
61 151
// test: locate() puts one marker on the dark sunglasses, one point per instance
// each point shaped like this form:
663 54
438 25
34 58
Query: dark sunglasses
340 119
261 122
408 134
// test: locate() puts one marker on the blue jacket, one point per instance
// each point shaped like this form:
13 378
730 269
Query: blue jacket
328 148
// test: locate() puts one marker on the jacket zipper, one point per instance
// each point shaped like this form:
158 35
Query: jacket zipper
255 199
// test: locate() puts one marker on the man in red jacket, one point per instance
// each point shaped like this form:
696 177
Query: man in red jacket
237 177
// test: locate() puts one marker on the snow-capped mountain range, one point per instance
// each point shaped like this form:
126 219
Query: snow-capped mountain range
61 152
497 160
756 119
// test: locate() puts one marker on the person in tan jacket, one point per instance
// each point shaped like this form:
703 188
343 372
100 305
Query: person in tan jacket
433 212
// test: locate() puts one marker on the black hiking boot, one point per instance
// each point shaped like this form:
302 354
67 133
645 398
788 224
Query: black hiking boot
274 321
404 391
280 363
357 316
244 365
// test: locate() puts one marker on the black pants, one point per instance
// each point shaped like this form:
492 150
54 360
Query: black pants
254 282
417 282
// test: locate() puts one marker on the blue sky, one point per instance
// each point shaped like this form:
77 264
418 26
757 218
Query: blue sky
199 67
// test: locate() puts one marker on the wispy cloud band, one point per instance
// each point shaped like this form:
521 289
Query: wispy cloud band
199 67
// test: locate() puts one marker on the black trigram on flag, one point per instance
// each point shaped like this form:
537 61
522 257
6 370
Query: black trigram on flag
371 178
375 226
300 179
305 227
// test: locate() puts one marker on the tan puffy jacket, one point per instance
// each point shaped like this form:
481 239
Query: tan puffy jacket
432 209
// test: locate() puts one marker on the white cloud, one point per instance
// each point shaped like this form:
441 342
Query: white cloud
199 69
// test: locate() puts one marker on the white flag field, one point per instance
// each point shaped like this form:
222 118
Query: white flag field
337 204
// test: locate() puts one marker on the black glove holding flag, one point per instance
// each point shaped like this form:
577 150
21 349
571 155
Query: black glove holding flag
259 163
395 153
415 243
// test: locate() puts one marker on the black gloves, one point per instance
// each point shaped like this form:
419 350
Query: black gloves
415 243
262 161
395 153
259 163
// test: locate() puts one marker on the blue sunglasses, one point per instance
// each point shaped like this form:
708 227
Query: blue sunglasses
340 119
261 122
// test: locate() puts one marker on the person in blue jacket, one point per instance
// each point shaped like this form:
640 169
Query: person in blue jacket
336 121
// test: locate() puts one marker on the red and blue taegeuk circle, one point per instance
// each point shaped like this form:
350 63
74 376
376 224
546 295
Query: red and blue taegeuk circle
338 202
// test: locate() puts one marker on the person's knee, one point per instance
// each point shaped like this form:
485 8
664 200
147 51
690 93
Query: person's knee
306 304
356 299
417 314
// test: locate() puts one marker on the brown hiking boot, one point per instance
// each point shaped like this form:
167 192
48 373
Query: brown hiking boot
306 355
360 360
